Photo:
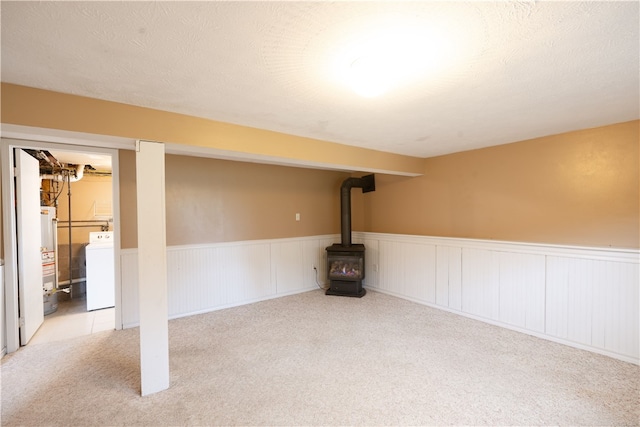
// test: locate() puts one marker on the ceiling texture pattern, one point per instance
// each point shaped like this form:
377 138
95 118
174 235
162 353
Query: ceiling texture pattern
466 74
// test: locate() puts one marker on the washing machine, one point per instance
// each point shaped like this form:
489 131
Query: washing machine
100 271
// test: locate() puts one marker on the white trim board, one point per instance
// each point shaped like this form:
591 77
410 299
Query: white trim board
590 252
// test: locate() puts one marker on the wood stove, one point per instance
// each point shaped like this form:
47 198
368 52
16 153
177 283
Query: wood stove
345 261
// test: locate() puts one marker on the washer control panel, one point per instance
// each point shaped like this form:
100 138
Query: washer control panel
101 237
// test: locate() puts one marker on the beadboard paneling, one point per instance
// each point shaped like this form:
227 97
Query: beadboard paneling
408 269
314 255
203 278
481 283
594 303
287 264
579 296
522 290
585 297
372 262
420 271
3 336
449 277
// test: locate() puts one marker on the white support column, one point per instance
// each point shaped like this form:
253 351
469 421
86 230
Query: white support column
152 267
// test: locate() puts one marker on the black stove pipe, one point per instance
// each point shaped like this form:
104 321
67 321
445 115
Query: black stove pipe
367 183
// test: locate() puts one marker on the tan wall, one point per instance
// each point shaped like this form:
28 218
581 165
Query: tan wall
210 201
577 188
128 201
84 193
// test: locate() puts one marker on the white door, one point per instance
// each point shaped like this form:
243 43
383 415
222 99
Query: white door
29 241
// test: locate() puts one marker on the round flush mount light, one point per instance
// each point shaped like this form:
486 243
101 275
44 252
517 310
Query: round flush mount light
370 76
393 52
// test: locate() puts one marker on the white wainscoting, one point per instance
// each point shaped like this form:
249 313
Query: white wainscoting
204 278
3 335
584 297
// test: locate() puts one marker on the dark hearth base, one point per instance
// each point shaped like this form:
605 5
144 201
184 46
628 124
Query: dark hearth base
346 289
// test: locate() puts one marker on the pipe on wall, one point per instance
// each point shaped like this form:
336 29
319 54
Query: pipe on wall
77 175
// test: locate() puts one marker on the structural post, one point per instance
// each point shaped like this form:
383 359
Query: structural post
152 267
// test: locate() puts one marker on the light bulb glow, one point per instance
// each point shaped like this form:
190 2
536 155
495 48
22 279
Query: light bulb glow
370 76
391 55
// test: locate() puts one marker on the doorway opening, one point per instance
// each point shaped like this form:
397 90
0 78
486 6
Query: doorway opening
76 207
77 197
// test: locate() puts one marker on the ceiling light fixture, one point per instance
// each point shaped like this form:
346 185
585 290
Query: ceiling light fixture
392 54
370 76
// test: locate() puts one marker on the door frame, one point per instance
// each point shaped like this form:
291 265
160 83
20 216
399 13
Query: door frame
38 138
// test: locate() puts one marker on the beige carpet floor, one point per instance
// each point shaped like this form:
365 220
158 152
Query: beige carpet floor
311 359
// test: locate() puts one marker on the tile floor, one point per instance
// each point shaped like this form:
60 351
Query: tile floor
72 320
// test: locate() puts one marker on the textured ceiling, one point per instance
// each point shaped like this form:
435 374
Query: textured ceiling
505 71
